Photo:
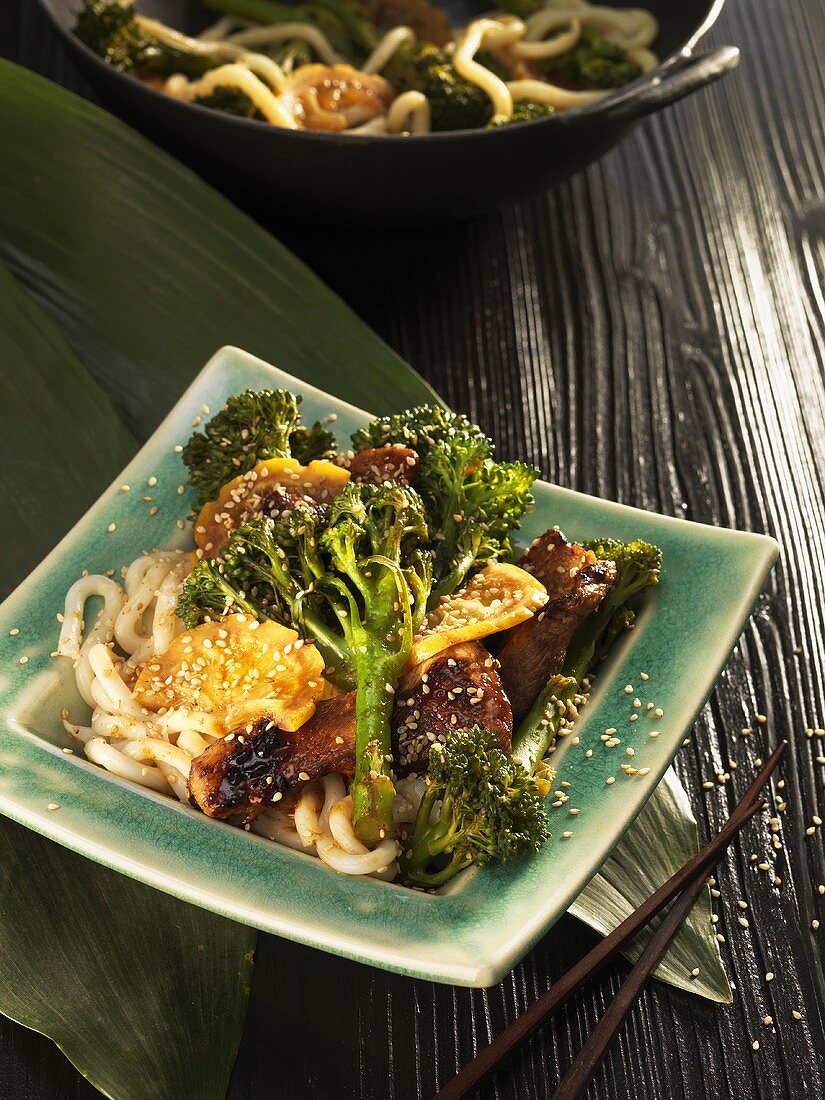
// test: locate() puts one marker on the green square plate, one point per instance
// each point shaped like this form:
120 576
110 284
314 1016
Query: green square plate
478 928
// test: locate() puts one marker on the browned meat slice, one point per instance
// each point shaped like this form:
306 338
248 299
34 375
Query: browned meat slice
280 500
458 687
555 562
392 462
255 768
260 766
534 650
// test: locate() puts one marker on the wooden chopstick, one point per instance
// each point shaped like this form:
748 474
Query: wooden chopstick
693 873
593 1051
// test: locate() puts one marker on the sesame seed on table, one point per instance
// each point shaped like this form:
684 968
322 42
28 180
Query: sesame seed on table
650 332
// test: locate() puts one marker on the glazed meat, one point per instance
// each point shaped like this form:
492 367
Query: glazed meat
375 465
458 687
534 650
260 766
280 500
555 562
255 768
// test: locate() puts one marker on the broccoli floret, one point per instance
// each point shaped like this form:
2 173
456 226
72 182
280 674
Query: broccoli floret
418 428
524 111
253 426
638 567
133 44
473 502
490 809
268 570
375 540
455 103
231 101
216 588
594 62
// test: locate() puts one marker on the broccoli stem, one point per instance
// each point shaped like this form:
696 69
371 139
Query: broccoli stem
372 789
430 839
538 730
333 649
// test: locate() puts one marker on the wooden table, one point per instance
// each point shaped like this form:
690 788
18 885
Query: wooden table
652 332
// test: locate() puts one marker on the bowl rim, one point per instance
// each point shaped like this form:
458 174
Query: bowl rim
565 118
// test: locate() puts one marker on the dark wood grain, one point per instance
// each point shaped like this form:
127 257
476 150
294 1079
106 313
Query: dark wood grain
651 332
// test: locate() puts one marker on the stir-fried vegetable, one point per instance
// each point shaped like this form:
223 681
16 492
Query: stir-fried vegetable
480 805
473 502
378 590
253 426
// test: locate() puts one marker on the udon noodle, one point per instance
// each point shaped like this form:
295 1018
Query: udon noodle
136 622
314 85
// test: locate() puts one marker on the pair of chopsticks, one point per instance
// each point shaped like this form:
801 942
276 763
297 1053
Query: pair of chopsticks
685 886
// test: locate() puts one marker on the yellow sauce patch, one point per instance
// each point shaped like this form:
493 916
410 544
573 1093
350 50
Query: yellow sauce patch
237 669
497 598
241 497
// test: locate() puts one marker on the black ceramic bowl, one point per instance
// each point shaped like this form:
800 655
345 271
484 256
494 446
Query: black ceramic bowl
396 180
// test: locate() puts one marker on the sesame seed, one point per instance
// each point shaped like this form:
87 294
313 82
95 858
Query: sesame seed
628 689
708 786
755 1045
769 976
634 717
24 660
567 834
111 527
14 632
53 806
178 449
655 733
125 488
695 972
68 751
610 779
767 1020
796 1015
659 712
744 922
637 702
304 776
643 676
815 925
630 752
644 771
152 481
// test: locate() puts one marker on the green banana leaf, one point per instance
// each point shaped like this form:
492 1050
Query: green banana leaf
145 994
662 839
144 278
148 271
